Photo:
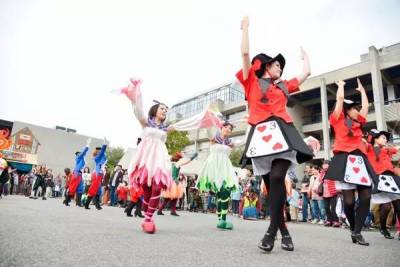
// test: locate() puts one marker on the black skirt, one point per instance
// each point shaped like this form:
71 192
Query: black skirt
292 137
337 168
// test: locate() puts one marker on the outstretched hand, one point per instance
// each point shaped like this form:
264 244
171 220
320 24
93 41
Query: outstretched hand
245 23
303 53
360 88
340 83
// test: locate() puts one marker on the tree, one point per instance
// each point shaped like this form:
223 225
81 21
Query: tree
235 156
177 141
114 155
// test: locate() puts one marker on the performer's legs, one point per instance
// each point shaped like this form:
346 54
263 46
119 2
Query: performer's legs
138 211
146 196
383 214
364 197
88 200
162 206
349 203
129 208
277 196
153 202
282 225
172 205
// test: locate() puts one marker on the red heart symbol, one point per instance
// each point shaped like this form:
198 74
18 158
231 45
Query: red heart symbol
352 159
364 180
356 169
267 138
261 128
277 146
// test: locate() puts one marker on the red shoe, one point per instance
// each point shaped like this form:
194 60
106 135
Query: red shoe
149 227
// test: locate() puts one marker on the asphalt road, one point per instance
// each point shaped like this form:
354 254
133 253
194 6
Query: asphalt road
46 233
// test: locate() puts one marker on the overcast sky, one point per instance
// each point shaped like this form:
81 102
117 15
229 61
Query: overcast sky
60 59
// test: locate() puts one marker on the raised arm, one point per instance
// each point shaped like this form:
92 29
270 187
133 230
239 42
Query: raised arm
135 96
245 47
364 99
339 99
306 67
184 162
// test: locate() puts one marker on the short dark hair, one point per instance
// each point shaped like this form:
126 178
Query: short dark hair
67 170
153 110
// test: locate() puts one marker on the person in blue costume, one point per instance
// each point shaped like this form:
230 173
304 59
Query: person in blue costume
76 178
100 159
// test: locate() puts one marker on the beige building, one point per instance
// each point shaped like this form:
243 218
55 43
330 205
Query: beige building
37 145
378 70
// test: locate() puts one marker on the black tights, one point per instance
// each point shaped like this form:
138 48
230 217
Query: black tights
385 209
275 184
357 217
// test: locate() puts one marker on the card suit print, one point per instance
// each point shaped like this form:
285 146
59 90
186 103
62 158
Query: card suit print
364 180
267 138
356 169
277 146
261 128
352 159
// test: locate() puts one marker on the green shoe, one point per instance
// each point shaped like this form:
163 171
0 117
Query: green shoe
221 224
224 225
228 226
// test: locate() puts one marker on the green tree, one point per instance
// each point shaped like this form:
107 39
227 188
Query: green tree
114 155
235 156
177 141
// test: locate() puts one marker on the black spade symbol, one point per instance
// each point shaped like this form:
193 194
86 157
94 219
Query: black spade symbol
387 184
383 178
394 189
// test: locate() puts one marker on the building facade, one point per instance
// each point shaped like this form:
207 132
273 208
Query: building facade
378 70
36 145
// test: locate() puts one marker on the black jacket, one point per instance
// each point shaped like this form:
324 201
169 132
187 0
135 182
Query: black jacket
120 177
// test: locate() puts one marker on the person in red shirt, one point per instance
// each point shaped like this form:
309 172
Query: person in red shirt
346 122
136 198
267 96
380 157
122 192
330 197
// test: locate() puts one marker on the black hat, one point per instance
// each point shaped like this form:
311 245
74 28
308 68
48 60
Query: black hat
77 153
265 60
348 104
374 133
98 148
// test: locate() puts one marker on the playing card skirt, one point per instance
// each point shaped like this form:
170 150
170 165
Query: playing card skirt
338 167
385 197
293 147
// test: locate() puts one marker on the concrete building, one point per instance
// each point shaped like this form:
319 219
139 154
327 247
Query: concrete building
37 145
378 70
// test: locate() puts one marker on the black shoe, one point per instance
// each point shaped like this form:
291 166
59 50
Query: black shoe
287 243
386 234
174 214
99 208
129 215
359 239
87 208
267 243
43 198
160 212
